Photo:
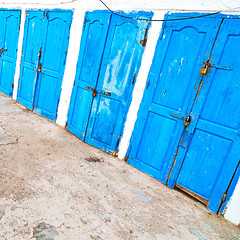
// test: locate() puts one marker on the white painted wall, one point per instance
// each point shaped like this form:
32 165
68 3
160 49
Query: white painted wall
233 209
159 7
141 79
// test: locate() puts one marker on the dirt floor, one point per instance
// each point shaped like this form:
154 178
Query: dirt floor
54 186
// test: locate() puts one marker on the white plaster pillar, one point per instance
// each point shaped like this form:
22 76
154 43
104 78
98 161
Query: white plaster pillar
71 63
19 54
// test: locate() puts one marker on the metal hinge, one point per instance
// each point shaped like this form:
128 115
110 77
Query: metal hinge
224 197
116 148
148 83
45 14
86 20
134 77
143 42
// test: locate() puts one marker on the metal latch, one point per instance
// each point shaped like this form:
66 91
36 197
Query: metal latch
187 121
94 91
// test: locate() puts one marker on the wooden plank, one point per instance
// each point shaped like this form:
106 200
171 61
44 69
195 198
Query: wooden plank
194 195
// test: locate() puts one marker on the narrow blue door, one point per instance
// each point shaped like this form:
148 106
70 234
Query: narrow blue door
170 91
119 67
31 51
45 45
10 25
89 61
214 151
56 30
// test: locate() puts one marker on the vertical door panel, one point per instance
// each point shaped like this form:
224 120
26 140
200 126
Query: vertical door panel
214 151
89 61
30 58
54 47
10 32
120 62
170 91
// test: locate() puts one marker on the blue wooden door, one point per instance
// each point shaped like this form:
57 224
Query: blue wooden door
213 154
170 91
31 51
99 122
43 60
52 62
90 56
9 25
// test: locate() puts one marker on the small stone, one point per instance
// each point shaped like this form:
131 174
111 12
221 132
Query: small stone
44 231
2 210
105 218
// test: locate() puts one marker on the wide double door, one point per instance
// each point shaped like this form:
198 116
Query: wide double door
9 25
45 44
169 95
213 154
195 74
109 58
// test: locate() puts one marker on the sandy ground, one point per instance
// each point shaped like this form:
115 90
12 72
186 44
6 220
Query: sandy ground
53 186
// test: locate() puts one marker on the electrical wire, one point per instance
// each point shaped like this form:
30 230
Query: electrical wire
160 20
38 3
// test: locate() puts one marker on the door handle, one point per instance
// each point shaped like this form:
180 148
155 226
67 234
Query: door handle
2 50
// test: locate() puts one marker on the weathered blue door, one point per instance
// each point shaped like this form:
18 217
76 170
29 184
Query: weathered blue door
170 92
9 25
44 58
97 114
213 154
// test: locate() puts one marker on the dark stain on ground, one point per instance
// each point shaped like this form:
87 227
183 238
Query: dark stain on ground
93 159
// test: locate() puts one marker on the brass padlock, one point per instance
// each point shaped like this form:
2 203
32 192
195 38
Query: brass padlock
187 121
204 68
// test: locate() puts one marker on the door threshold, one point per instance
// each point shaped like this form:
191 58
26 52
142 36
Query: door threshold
194 195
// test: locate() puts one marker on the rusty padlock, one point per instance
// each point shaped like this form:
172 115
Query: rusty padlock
187 121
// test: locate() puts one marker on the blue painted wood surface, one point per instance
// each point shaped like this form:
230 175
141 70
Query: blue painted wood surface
99 120
32 41
170 91
214 151
10 25
49 30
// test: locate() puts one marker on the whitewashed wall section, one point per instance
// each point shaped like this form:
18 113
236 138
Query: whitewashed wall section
159 7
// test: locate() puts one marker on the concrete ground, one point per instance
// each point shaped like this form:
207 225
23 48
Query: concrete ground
53 186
